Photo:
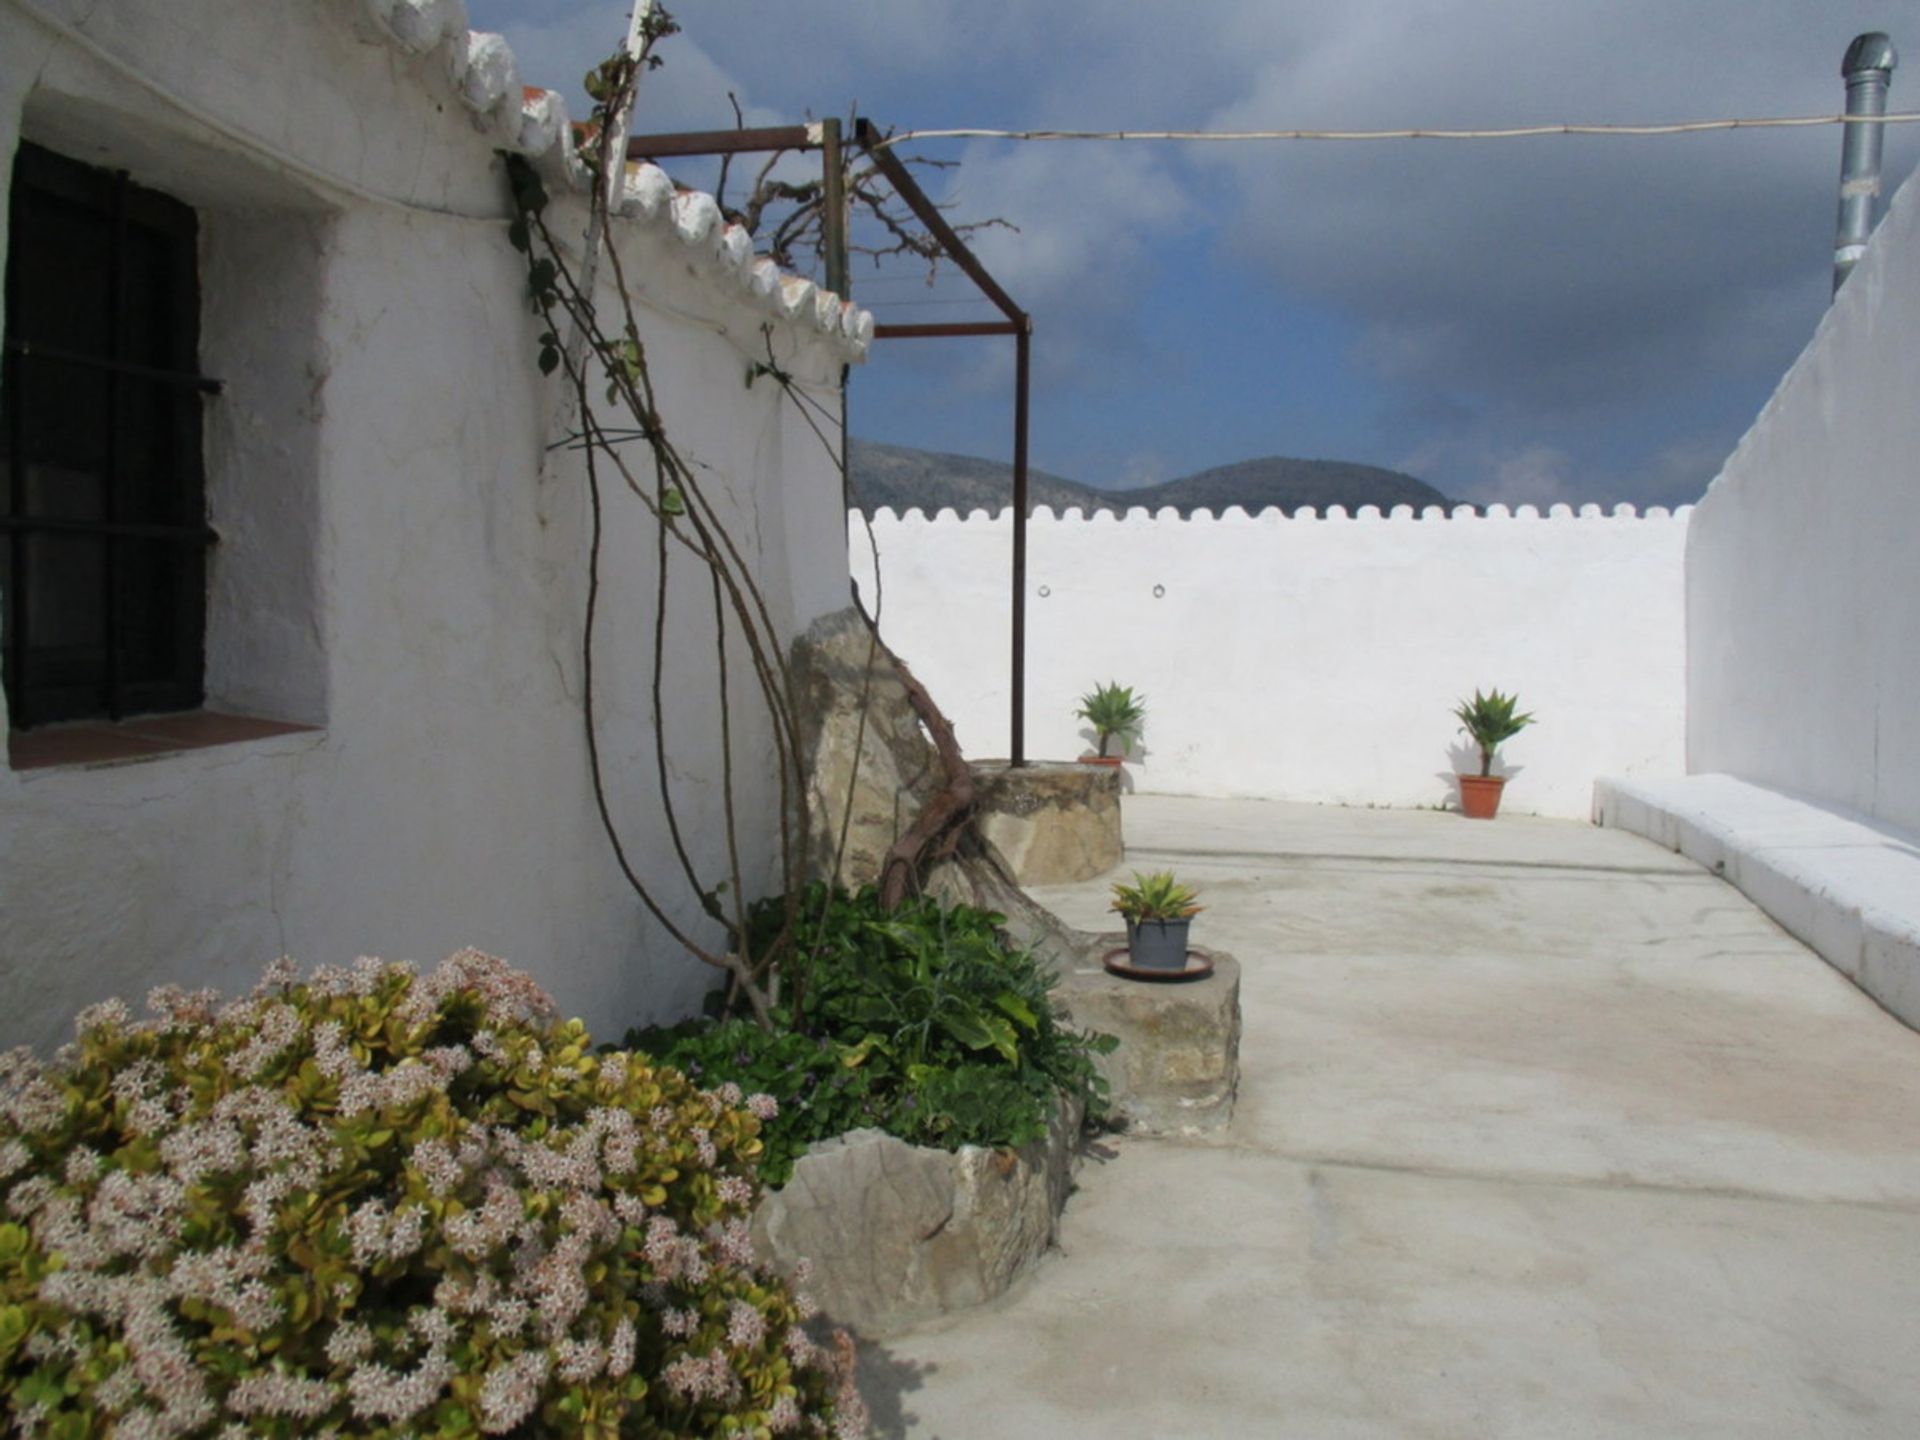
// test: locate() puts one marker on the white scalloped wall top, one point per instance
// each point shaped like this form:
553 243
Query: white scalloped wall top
1235 514
533 122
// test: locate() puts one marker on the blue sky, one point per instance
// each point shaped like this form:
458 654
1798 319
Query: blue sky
1547 320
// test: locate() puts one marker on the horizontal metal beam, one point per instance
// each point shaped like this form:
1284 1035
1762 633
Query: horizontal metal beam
957 328
908 189
205 384
723 142
122 530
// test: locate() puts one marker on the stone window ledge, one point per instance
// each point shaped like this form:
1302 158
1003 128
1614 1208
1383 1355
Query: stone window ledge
145 737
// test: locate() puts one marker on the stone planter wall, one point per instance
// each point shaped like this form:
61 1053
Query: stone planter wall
899 1234
1178 1062
1053 823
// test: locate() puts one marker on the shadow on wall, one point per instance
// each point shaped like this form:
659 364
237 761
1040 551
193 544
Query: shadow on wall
1464 758
1136 754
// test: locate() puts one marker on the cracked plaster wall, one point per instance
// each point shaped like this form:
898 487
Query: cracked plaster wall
402 561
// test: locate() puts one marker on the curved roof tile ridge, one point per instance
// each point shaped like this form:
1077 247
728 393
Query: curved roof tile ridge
485 77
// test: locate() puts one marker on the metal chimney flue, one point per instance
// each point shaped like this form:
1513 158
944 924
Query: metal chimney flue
1868 70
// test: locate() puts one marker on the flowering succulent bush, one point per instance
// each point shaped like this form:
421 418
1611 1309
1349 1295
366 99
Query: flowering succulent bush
376 1203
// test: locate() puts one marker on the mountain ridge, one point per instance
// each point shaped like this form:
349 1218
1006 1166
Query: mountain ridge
900 478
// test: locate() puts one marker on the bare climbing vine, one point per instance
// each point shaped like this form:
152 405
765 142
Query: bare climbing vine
599 352
603 356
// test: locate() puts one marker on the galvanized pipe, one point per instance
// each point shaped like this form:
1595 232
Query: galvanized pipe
1868 69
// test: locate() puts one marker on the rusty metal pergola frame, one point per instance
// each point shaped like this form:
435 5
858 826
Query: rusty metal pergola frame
827 137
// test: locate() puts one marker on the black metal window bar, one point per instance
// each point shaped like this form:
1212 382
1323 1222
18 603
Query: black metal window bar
103 525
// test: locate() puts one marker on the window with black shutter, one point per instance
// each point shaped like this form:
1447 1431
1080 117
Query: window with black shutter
103 512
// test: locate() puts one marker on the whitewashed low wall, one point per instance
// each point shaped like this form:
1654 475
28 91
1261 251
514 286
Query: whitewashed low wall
1308 658
1803 594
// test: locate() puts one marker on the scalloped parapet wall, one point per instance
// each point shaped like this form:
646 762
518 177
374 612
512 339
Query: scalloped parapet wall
483 75
1272 515
1313 658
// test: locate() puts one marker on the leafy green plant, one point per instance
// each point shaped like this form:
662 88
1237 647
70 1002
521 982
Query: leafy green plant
818 1094
1490 720
1114 712
1155 897
384 1204
918 1021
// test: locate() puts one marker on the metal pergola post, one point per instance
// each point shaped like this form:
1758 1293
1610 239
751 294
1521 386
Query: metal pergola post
1018 324
826 136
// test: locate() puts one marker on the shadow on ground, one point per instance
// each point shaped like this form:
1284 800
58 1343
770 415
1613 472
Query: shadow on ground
885 1382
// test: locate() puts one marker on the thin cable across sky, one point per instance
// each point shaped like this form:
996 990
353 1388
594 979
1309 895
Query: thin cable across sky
1511 132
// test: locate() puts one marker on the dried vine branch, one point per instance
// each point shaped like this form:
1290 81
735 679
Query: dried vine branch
564 292
786 218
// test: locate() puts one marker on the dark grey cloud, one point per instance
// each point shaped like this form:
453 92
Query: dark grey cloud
1542 286
1559 318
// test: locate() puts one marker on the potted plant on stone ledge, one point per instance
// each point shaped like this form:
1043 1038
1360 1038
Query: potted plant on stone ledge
1490 720
1159 912
1115 714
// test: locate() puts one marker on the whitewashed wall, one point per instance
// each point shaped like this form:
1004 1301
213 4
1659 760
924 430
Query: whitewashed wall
1308 658
403 562
1803 583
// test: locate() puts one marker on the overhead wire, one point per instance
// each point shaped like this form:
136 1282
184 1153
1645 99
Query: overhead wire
1510 132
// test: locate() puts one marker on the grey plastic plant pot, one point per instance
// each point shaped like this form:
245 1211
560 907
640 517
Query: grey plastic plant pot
1158 944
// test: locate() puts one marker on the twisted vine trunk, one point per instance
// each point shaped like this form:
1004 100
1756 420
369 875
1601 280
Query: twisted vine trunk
937 830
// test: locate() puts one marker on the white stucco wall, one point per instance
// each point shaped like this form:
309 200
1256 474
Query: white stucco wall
1803 591
1308 658
403 561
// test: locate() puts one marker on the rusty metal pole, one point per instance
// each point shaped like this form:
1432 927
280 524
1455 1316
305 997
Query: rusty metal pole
834 224
833 207
1022 385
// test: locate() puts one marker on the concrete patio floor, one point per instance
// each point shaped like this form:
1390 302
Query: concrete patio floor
1543 1132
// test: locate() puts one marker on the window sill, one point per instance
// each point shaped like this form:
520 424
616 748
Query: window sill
143 738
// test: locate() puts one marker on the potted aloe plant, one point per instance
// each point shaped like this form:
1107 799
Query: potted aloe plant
1490 720
1159 911
1115 713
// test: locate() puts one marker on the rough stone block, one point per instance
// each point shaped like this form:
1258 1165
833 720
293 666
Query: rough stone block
1053 823
898 1234
1178 1062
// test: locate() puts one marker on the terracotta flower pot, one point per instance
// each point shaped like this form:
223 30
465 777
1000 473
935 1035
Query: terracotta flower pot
1480 795
1110 761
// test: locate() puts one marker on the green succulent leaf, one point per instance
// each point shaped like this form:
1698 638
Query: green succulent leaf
1155 897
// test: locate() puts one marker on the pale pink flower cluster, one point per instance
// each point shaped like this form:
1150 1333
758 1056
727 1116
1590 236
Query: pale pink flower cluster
732 1241
508 996
364 1091
276 1393
511 1391
279 1028
378 1234
703 1377
746 1326
29 1102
